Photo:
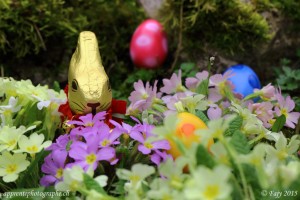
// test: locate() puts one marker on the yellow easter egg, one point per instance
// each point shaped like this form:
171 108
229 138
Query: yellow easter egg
185 131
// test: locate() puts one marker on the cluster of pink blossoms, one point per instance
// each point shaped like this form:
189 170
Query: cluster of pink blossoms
215 103
91 142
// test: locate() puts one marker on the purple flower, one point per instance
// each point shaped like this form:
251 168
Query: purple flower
157 157
285 107
171 100
192 83
214 96
143 96
108 138
88 125
145 137
214 112
173 85
263 111
124 129
88 154
89 120
221 83
146 147
141 92
267 92
60 145
80 132
217 79
53 167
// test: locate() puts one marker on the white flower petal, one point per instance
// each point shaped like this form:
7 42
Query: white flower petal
10 178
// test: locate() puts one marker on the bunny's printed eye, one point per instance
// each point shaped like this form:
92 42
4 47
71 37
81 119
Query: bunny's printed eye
74 85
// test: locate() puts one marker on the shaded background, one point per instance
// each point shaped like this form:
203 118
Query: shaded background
37 38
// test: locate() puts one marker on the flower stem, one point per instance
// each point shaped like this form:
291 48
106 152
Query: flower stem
233 155
256 139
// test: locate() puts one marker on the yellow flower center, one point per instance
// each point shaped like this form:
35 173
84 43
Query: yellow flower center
74 185
180 88
12 143
218 133
282 155
148 145
255 161
89 124
125 136
7 112
145 96
284 112
105 142
211 191
59 173
224 159
272 121
134 178
33 148
167 197
222 87
90 159
10 169
176 182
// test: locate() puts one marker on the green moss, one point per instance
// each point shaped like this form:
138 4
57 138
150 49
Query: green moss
228 26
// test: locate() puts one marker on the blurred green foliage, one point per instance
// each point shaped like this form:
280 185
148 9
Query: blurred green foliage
44 33
288 80
229 26
290 8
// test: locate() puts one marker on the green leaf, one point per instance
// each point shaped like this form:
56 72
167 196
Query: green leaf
202 116
203 87
237 192
204 157
187 69
188 66
279 123
56 86
90 184
234 125
240 142
68 146
29 114
119 188
252 180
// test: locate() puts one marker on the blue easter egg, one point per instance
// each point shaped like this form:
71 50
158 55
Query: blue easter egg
244 79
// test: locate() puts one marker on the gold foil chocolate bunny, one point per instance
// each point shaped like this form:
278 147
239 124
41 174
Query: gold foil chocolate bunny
89 87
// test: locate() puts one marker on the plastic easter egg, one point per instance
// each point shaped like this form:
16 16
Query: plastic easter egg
148 46
244 79
185 131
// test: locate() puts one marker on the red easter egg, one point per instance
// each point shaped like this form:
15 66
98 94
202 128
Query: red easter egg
148 46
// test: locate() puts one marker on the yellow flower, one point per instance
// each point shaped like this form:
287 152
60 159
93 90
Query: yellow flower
209 184
72 179
33 144
9 136
136 176
12 165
